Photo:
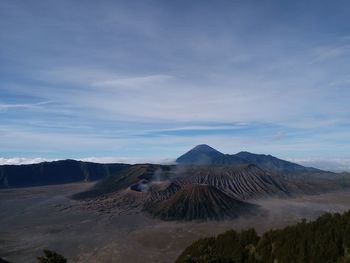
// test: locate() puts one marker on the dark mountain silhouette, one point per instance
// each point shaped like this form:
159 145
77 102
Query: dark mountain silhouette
199 202
203 164
57 172
206 155
271 163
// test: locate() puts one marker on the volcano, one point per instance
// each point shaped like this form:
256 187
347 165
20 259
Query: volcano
200 202
242 182
205 155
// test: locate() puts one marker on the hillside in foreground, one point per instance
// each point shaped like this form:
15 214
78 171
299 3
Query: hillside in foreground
326 240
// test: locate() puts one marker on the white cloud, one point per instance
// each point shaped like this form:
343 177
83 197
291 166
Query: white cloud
335 165
22 160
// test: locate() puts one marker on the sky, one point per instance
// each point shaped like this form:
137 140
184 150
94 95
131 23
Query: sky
148 80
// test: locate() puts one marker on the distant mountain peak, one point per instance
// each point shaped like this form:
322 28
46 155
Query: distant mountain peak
201 154
204 148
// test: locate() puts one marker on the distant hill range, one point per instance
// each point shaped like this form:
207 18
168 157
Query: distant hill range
57 172
206 155
69 171
203 184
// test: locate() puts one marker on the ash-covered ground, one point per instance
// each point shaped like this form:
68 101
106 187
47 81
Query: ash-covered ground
32 219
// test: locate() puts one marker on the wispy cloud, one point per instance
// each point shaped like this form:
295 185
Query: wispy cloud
139 79
132 82
8 106
324 53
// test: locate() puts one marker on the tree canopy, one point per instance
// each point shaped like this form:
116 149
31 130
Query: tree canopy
51 257
325 240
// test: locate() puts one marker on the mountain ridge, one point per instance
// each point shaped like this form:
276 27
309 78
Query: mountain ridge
55 172
200 156
69 171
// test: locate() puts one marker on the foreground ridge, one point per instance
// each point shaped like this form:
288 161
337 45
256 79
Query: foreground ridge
325 240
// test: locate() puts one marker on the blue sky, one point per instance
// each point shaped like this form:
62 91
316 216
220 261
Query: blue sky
151 79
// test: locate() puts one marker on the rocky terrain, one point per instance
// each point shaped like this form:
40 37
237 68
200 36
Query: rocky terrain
45 217
242 182
199 201
156 210
163 190
193 190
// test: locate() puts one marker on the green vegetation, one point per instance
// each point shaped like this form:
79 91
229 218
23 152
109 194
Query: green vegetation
51 257
326 240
